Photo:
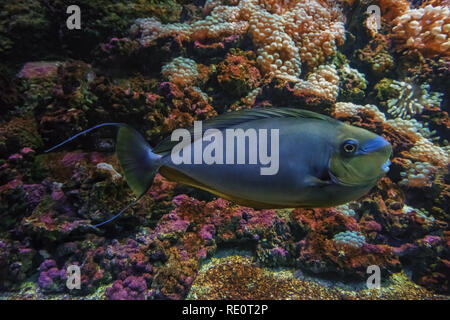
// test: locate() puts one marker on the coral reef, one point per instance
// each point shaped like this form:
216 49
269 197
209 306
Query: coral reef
30 28
161 65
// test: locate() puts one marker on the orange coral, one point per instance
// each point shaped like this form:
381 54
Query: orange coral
426 30
392 9
435 3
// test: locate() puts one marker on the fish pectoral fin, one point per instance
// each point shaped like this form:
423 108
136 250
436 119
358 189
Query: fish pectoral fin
317 182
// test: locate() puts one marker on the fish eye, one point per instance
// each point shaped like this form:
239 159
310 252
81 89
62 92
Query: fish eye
349 146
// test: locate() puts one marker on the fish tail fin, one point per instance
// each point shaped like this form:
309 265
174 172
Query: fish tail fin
135 155
138 162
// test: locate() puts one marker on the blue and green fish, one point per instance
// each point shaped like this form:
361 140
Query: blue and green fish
322 162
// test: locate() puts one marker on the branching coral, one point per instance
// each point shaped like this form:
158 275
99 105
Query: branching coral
412 99
424 29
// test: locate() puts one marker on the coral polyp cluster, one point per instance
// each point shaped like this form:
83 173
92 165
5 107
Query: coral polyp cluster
306 32
324 82
412 99
418 175
181 71
285 34
425 29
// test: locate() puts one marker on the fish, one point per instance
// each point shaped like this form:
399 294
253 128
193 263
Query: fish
322 162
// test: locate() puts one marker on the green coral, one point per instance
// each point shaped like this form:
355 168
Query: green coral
384 90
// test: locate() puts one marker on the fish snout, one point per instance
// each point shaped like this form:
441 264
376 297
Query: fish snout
381 149
375 144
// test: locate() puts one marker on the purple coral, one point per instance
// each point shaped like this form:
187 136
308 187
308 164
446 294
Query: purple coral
132 288
51 279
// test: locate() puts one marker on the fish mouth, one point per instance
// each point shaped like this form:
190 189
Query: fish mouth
380 145
385 166
373 145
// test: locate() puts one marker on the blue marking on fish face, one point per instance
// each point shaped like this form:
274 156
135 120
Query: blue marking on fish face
372 145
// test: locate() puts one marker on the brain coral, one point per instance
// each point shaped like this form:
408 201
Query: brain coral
351 238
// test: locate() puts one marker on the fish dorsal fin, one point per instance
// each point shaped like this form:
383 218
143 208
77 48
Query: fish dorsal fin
230 119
